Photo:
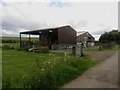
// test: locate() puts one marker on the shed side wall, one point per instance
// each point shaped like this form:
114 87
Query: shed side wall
66 35
80 38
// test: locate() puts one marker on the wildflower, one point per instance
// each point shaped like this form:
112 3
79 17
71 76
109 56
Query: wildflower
42 69
52 66
49 62
39 80
65 54
44 63
65 59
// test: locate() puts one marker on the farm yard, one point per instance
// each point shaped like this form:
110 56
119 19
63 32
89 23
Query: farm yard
24 69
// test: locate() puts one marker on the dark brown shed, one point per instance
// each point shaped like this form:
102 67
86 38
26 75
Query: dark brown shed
50 36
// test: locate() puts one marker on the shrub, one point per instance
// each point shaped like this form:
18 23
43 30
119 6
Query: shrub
7 47
9 41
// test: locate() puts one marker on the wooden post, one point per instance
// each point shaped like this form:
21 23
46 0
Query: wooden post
33 48
40 39
100 46
29 40
20 40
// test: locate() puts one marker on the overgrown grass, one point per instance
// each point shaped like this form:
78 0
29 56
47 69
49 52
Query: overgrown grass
15 45
113 47
41 70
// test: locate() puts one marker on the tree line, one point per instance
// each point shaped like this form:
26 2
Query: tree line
110 37
10 41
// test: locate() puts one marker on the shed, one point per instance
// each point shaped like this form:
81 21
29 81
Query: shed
86 38
50 36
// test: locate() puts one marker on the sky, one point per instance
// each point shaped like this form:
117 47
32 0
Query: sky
96 17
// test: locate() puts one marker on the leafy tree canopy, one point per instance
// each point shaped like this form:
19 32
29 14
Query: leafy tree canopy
109 37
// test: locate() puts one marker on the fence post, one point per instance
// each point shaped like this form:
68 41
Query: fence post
33 48
81 50
20 41
52 47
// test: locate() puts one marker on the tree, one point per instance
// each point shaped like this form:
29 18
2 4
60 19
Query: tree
110 37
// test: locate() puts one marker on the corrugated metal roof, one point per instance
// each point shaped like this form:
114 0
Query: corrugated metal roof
36 31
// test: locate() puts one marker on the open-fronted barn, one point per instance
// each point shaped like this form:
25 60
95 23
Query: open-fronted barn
51 36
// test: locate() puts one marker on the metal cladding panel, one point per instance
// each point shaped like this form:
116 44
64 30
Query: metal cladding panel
66 35
49 38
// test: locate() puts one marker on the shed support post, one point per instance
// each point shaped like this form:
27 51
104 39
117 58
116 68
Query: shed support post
20 40
39 39
29 41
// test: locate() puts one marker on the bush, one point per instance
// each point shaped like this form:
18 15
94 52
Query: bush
7 47
9 41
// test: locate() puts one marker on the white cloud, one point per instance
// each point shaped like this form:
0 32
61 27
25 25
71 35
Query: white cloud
9 33
61 0
91 16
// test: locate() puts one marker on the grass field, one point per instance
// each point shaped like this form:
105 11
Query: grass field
22 69
17 38
16 44
41 70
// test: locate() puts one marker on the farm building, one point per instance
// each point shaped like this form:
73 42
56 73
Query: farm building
64 35
86 38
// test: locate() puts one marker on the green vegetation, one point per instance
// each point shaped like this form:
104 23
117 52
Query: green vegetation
13 42
41 70
23 69
96 48
10 45
110 37
17 38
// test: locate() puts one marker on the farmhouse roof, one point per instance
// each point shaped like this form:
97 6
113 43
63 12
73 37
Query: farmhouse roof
81 32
